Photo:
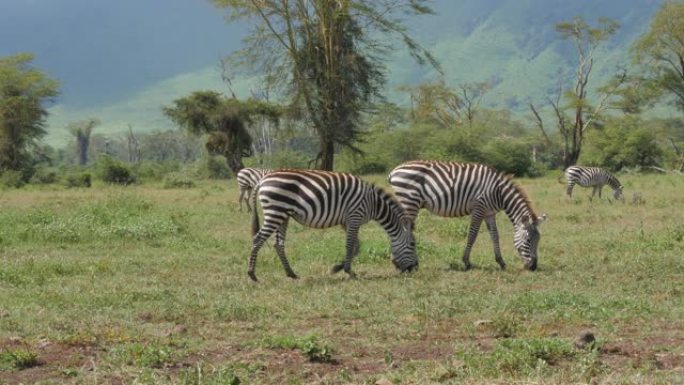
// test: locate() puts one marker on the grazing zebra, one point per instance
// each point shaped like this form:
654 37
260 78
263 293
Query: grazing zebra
247 179
594 177
322 199
452 189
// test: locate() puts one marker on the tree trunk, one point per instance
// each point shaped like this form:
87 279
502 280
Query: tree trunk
234 162
83 143
327 154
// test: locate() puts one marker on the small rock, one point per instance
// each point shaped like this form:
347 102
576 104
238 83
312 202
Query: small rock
383 381
585 339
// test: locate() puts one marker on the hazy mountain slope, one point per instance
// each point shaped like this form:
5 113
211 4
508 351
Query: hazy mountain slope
513 43
122 61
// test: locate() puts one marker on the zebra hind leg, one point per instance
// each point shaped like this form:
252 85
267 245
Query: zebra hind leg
242 194
258 241
280 250
247 199
494 234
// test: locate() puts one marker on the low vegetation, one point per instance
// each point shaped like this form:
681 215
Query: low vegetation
146 284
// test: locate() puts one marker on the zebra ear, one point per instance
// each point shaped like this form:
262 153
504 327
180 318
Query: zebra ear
542 218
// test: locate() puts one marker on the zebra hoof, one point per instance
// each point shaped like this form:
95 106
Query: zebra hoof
337 268
252 276
293 275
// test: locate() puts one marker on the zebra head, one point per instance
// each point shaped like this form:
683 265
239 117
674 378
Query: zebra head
526 240
617 193
403 246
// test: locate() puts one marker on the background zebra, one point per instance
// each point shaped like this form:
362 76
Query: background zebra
594 177
323 199
247 179
452 189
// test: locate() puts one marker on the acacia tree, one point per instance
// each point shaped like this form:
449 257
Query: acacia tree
326 55
224 120
660 52
445 106
23 92
82 130
572 129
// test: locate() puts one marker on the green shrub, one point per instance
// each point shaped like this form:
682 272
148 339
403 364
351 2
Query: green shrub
508 155
18 359
216 167
11 178
178 180
155 171
83 179
44 176
113 171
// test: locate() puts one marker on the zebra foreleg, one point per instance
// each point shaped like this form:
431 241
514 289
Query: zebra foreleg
475 223
352 250
568 191
494 234
280 250
593 193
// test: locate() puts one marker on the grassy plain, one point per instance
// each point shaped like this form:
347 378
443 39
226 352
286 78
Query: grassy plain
148 285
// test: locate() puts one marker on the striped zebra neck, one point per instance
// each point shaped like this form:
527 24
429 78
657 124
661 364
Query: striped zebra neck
386 210
516 203
613 183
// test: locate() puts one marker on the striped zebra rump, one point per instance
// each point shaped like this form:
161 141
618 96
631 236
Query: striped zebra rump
322 199
452 189
248 179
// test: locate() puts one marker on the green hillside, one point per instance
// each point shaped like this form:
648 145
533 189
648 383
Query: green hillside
510 43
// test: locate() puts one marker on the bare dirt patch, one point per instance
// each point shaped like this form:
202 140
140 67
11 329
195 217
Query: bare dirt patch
56 361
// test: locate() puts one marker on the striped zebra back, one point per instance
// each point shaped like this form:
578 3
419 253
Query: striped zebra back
450 188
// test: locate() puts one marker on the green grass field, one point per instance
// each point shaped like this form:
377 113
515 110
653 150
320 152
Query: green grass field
149 285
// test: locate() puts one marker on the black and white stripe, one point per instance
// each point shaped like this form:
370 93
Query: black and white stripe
248 178
594 177
452 189
322 199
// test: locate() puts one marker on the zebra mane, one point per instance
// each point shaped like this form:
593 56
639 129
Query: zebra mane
521 191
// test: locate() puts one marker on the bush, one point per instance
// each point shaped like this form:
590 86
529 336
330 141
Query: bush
78 180
508 156
44 176
623 143
178 180
11 178
155 170
113 171
216 167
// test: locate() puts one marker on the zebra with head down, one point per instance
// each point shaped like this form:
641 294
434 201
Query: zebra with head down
593 177
451 189
322 199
